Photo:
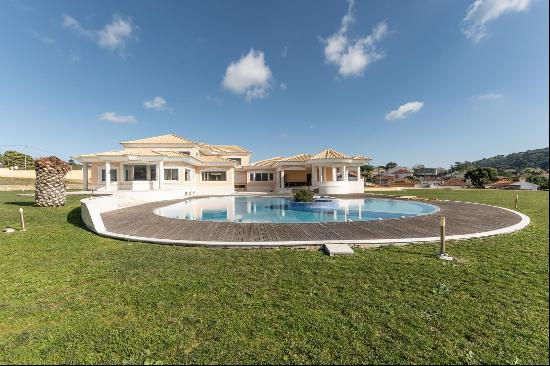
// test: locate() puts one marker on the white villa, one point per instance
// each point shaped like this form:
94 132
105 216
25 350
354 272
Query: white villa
171 162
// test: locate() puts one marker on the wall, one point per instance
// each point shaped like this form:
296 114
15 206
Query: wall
296 175
8 173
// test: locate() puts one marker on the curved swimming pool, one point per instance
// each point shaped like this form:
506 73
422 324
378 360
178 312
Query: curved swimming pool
280 210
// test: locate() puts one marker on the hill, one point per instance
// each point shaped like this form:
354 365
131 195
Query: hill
537 158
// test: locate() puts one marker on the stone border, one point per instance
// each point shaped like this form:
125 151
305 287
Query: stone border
96 225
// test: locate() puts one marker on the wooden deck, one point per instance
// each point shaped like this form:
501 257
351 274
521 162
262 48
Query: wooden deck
462 218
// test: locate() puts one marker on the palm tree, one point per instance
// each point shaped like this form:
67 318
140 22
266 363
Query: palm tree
50 181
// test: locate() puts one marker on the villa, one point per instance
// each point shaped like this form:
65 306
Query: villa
174 163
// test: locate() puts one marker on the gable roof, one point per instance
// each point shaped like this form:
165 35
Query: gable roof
329 154
162 139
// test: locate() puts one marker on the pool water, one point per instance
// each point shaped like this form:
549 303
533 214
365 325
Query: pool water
278 210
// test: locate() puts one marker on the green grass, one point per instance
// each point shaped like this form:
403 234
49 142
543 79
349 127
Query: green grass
69 296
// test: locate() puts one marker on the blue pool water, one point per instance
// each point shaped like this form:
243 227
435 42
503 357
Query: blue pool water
278 209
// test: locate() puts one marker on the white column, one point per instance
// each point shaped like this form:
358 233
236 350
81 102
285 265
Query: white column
321 175
334 179
313 175
282 178
345 173
85 176
161 174
108 176
359 178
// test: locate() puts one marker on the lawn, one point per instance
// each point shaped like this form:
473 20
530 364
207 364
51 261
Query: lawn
69 296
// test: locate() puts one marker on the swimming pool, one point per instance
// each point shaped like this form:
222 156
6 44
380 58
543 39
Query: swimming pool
279 210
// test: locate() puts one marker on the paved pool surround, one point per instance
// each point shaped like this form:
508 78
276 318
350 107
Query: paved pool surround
139 223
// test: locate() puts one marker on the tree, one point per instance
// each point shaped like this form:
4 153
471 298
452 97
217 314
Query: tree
367 172
539 180
390 165
462 166
13 158
74 165
480 177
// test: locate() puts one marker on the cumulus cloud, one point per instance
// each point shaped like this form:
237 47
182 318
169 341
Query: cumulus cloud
249 76
117 118
487 96
113 36
404 111
157 103
481 12
352 56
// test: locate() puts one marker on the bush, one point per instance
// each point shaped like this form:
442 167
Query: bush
303 195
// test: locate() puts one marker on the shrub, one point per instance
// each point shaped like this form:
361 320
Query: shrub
303 195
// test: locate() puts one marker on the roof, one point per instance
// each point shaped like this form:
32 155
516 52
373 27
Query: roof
455 182
329 154
298 158
266 162
156 153
402 171
214 159
224 148
302 158
163 139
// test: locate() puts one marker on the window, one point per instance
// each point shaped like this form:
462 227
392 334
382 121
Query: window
187 175
113 175
153 172
128 173
261 177
140 172
171 174
238 160
214 176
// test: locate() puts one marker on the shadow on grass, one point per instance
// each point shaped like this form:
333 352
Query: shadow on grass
20 203
74 218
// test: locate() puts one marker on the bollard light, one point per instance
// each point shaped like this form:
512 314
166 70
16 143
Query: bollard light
22 219
442 251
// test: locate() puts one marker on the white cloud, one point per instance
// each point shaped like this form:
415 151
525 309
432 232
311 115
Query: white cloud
352 56
404 111
157 103
487 96
113 36
481 12
42 38
249 76
117 118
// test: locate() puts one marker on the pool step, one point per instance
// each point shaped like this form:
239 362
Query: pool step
338 249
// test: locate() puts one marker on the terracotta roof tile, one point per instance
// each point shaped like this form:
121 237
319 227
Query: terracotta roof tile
329 154
163 139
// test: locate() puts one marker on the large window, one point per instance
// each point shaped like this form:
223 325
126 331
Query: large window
261 177
214 176
171 174
140 172
153 172
113 175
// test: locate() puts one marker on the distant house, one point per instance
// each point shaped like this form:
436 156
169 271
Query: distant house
522 184
429 174
395 174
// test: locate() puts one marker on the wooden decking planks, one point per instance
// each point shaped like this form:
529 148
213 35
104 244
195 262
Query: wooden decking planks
462 218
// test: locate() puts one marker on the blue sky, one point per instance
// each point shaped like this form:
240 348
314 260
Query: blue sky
425 81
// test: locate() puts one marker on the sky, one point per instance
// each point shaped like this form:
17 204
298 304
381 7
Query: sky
416 82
